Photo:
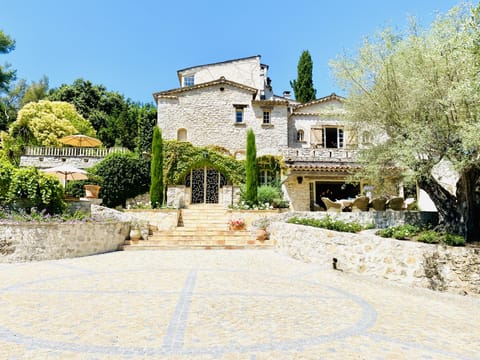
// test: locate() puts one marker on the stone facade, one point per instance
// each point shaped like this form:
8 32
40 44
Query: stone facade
246 71
435 267
313 138
34 242
207 113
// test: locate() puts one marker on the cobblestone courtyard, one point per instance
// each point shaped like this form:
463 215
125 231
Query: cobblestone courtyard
223 305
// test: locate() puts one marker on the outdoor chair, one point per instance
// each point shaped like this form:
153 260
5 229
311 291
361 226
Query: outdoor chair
378 204
360 204
332 206
395 203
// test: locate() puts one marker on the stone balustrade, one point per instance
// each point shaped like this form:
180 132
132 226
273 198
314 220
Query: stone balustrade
319 154
72 151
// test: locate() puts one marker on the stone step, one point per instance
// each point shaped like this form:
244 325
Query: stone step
195 247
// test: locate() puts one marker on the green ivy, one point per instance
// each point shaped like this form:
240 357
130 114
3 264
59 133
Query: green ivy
181 157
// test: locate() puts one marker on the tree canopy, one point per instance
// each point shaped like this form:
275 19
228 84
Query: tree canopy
303 85
420 90
45 122
7 44
115 119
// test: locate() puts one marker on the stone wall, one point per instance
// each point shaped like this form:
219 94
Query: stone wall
208 115
43 162
33 242
437 267
379 219
162 219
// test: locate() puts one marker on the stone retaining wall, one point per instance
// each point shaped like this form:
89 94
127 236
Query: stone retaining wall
437 267
379 219
33 242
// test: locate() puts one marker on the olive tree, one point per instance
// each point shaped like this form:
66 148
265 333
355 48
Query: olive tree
421 90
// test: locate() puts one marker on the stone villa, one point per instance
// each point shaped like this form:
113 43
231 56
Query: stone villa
216 103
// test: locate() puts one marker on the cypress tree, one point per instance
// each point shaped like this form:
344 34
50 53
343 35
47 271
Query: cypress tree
251 169
303 86
156 170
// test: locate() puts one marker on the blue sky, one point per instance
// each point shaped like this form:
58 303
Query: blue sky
136 47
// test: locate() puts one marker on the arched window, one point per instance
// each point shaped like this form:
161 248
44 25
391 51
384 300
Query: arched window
300 135
182 135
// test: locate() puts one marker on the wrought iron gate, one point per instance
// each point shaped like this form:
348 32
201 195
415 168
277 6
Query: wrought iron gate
205 184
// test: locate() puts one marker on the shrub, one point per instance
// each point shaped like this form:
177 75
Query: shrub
429 237
454 240
268 194
400 232
123 176
328 223
6 173
251 170
156 170
30 189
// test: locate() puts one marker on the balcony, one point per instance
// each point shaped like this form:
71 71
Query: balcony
80 157
72 151
319 155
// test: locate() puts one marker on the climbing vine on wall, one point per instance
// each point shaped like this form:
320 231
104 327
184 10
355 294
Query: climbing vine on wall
181 157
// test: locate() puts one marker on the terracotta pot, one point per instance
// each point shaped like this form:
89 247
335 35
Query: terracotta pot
262 235
135 235
91 191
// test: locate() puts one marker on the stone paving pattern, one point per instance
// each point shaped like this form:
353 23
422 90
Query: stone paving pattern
223 305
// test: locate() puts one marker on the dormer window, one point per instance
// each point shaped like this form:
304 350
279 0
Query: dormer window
189 80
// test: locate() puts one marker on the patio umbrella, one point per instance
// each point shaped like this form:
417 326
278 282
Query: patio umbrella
80 140
67 172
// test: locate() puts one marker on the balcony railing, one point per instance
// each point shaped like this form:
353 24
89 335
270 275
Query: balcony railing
335 155
72 151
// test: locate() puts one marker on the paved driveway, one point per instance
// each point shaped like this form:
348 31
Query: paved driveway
223 305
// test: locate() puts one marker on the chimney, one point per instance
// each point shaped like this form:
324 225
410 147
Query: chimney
286 94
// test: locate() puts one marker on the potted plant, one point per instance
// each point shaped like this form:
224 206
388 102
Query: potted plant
261 226
236 224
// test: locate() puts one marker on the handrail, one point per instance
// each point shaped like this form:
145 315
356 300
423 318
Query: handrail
72 151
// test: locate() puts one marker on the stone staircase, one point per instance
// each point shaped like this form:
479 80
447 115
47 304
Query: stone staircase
200 227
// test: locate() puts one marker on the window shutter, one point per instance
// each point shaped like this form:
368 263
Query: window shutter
316 136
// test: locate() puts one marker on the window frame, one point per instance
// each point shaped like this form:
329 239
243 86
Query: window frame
189 80
300 135
267 117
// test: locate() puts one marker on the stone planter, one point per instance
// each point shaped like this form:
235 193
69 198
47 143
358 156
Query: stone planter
91 191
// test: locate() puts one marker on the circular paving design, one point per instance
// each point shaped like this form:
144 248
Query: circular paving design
179 312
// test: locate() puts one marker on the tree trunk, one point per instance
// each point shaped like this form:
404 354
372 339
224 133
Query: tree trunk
448 215
457 214
468 199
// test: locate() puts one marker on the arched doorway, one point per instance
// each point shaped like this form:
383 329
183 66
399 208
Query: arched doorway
205 184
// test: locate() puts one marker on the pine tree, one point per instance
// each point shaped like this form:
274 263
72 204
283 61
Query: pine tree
303 86
156 171
251 170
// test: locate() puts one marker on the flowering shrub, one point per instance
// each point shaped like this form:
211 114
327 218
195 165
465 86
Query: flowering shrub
21 216
242 205
236 223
